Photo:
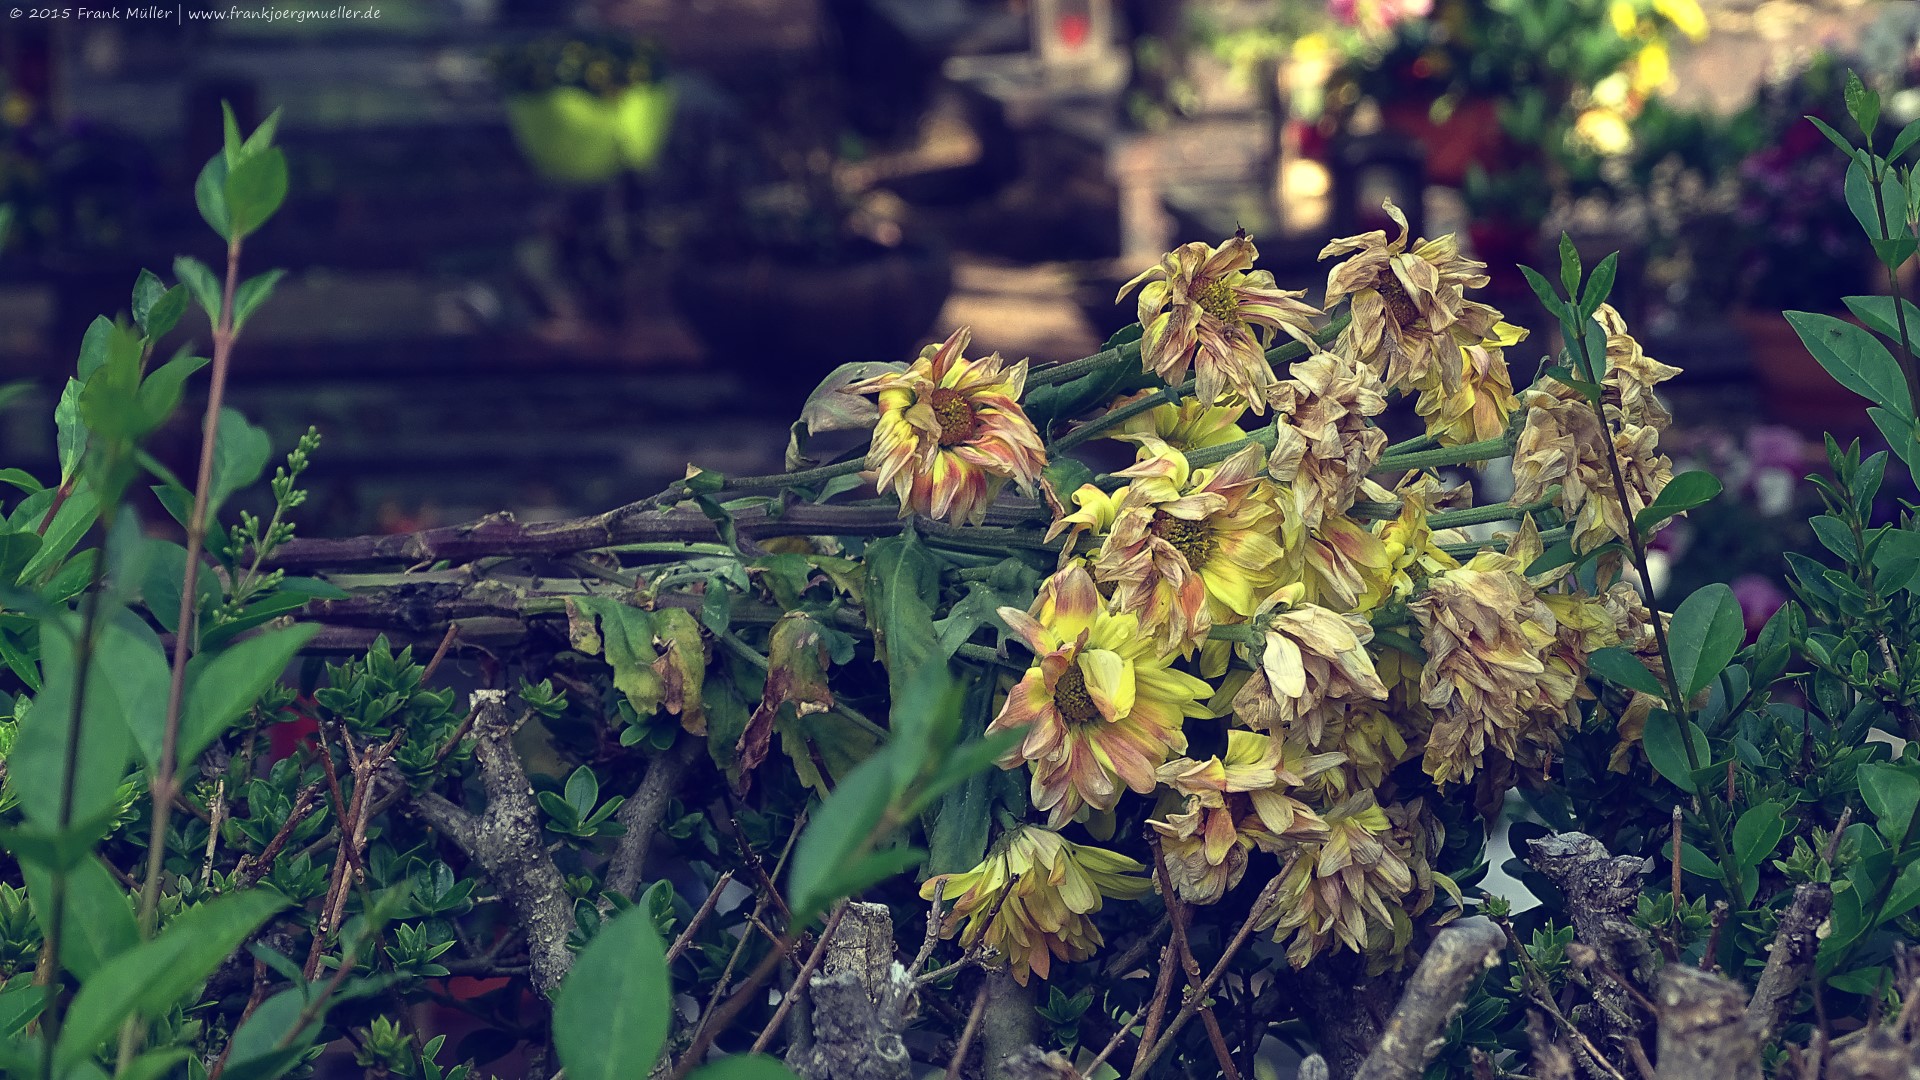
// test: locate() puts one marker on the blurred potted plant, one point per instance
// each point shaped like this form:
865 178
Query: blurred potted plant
1490 81
778 240
1796 248
586 107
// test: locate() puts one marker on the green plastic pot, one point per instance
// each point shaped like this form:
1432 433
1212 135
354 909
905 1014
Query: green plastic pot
582 138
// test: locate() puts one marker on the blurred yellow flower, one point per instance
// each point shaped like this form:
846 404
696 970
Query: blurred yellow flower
1102 708
1685 15
951 432
1030 898
1208 309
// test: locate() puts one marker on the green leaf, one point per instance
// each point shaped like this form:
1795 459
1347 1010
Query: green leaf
1667 754
1892 792
1705 633
1855 358
903 585
1569 266
94 346
1833 136
1757 833
1622 668
1898 250
1905 140
837 835
1896 562
147 288
1858 189
255 188
220 690
257 1053
743 1067
1862 104
161 391
251 294
1905 895
1599 285
611 1015
210 195
138 674
1877 312
151 978
626 641
1687 491
240 455
37 765
99 917
202 284
1543 289
1899 433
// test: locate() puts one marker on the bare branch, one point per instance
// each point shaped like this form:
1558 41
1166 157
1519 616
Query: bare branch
1703 1029
1436 991
1789 960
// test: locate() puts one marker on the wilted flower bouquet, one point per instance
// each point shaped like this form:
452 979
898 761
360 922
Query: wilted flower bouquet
1253 696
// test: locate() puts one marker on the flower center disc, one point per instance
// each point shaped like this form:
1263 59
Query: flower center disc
1216 299
957 419
1070 696
1399 304
1192 539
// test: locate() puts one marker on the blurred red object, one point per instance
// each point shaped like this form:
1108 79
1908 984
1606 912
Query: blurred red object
1072 29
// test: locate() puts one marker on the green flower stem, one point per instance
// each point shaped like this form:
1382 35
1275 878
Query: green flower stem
1418 442
1481 515
1484 450
1471 548
1073 369
1243 632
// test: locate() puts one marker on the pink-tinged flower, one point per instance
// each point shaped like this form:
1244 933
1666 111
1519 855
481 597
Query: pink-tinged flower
1030 898
1377 18
1324 444
1102 707
1346 890
1208 309
951 432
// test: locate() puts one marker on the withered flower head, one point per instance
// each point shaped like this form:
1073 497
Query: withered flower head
1050 885
1407 303
951 432
1208 309
1102 706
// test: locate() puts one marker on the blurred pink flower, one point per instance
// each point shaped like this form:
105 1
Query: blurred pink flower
1376 18
1759 597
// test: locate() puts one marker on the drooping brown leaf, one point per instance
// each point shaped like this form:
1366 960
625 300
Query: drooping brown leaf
796 680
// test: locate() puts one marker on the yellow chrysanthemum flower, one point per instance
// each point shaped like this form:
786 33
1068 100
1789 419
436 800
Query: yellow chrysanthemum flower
951 432
1324 443
1407 304
1102 708
1485 630
1050 886
1413 550
1208 309
1185 548
1191 425
1228 805
1307 656
1344 890
1478 407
